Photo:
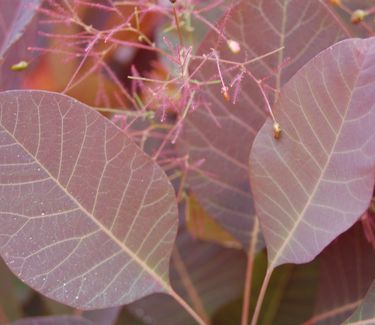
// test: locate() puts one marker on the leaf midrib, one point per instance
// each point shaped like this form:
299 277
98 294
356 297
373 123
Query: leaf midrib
274 262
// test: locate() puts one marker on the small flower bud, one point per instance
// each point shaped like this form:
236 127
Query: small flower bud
234 46
358 16
225 93
276 130
20 66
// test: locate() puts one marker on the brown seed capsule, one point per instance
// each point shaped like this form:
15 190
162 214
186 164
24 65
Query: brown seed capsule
276 130
172 1
225 93
358 16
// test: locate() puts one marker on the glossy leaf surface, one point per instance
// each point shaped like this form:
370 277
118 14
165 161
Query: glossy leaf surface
316 181
86 217
221 132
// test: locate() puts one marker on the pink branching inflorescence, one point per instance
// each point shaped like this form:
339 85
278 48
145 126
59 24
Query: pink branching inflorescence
162 101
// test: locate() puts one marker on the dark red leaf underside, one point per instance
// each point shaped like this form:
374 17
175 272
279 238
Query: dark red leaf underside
365 313
347 268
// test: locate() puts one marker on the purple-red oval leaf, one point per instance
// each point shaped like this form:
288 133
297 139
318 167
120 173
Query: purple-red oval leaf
316 180
346 268
365 313
220 132
86 217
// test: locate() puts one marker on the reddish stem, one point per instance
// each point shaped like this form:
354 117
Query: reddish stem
249 273
261 296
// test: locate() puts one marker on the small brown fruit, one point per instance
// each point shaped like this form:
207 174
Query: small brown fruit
358 16
276 131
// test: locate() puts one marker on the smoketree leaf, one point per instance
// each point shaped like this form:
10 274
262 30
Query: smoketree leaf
15 15
221 132
203 227
86 217
316 181
15 40
201 267
347 268
288 303
106 316
365 313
